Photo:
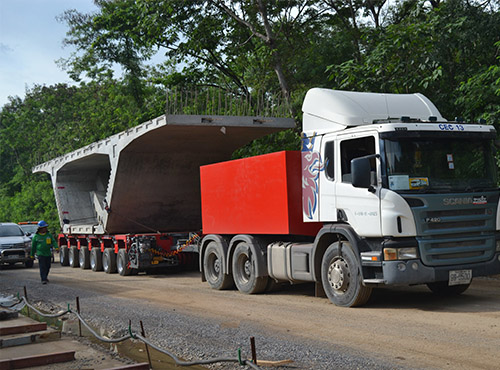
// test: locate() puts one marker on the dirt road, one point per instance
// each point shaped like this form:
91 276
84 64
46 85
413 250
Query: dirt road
403 327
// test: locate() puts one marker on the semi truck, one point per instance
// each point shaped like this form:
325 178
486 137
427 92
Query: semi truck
384 191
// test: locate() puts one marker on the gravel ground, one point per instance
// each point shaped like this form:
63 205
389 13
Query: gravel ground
191 337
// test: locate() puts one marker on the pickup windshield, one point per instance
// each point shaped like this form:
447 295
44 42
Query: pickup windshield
440 164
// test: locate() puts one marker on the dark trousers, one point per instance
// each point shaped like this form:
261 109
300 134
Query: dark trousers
44 264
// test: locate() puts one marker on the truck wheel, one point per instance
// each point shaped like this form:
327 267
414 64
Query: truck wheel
64 256
122 263
29 263
340 274
84 258
442 288
244 271
109 261
96 259
214 269
73 256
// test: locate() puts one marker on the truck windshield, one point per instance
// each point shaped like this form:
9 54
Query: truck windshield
440 164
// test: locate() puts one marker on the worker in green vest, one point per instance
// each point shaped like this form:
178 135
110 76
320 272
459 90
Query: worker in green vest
41 245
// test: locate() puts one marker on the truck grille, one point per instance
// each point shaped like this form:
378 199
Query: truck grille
455 235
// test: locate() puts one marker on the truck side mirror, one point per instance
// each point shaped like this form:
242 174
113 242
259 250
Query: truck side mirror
361 171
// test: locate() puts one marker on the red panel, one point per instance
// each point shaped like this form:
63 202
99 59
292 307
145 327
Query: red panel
257 195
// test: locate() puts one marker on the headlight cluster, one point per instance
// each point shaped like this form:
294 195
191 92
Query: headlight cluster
393 254
27 244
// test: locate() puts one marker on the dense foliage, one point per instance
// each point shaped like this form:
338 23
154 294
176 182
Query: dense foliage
447 50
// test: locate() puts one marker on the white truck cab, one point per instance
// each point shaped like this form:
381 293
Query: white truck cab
412 196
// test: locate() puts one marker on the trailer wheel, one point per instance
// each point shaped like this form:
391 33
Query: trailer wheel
96 259
84 258
214 268
341 277
122 263
442 288
73 256
244 271
64 256
109 261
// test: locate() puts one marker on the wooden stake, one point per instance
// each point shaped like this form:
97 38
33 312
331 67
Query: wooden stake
79 322
147 348
254 352
26 296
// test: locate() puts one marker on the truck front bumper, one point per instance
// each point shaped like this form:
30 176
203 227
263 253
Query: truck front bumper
414 272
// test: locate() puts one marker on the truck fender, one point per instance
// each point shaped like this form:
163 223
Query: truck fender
257 248
328 235
222 244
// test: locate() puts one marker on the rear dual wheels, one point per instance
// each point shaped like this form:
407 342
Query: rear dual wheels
245 271
341 276
213 266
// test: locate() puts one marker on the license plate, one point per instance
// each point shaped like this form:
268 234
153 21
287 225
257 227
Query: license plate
458 277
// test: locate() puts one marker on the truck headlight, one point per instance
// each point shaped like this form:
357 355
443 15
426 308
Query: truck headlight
27 244
393 254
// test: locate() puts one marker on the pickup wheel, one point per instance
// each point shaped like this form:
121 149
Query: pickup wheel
341 277
109 261
73 257
122 263
64 256
96 259
214 269
84 258
244 271
442 288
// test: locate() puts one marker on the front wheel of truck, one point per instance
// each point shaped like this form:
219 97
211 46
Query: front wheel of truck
213 267
442 288
341 276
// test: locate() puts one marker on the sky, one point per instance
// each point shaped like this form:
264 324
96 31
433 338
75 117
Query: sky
31 42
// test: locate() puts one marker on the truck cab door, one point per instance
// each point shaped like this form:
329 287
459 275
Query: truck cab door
359 207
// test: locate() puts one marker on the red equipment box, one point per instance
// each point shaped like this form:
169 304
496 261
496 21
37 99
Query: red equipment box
256 195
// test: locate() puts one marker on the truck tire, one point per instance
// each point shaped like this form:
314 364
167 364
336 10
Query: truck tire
244 274
341 277
64 256
109 261
96 259
74 256
214 269
29 263
84 258
442 288
122 263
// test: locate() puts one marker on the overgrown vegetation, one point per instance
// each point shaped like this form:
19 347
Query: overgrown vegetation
447 50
